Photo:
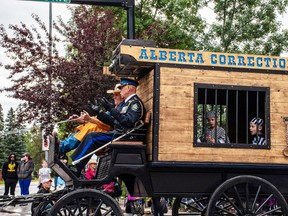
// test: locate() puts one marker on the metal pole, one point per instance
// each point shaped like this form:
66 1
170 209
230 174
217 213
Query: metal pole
131 19
50 56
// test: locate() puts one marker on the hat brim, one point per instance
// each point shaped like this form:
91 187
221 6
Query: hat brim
121 86
46 181
113 91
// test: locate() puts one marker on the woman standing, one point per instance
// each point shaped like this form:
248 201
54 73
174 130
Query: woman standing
24 172
9 174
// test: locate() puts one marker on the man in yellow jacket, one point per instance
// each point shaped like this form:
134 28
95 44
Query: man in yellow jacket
89 124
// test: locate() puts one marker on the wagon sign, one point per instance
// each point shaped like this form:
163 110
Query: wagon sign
201 58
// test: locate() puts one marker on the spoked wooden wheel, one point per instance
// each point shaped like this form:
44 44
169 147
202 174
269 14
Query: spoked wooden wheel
190 206
247 196
86 202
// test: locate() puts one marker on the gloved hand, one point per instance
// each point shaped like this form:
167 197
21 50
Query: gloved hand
95 107
107 105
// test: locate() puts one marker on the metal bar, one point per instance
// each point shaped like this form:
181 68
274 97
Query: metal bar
216 116
196 111
156 109
247 117
227 110
237 110
117 3
204 113
257 113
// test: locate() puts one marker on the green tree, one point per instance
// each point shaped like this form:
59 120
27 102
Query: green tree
33 140
1 130
54 87
13 139
1 118
248 27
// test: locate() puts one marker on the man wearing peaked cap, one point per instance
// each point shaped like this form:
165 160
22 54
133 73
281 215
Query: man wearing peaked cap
131 112
126 81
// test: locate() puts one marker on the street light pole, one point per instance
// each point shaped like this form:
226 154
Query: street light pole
50 64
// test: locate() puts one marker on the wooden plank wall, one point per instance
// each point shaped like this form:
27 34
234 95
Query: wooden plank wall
176 115
145 92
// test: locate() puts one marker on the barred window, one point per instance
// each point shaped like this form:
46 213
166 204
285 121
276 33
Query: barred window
241 116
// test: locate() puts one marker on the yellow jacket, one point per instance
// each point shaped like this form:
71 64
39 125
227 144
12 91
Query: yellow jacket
88 127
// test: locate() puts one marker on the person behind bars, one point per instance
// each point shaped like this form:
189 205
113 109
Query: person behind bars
214 134
256 130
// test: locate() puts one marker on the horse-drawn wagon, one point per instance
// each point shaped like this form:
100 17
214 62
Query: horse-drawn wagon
178 88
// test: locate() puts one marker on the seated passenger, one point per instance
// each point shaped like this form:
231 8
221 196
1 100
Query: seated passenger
91 124
212 130
256 127
91 170
131 112
90 173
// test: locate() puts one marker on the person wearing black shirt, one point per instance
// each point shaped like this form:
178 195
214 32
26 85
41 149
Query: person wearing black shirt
9 174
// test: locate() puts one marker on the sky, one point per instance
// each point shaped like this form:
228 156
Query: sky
16 11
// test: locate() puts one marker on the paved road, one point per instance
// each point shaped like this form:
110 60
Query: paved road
18 210
25 210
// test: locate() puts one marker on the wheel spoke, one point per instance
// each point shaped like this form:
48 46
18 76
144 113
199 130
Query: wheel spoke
192 206
256 198
238 199
69 211
247 195
264 203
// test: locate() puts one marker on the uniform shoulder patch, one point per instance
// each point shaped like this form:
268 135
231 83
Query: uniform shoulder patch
135 107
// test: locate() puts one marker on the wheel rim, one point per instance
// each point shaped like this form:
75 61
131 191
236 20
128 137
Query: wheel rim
189 206
247 196
86 202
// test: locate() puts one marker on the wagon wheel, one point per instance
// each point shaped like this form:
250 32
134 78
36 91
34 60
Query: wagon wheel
190 206
86 202
247 196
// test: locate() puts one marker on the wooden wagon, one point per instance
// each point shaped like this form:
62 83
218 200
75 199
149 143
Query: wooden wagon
178 88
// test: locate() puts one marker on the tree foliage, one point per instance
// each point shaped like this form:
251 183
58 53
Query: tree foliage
54 87
173 24
11 142
1 118
33 140
248 27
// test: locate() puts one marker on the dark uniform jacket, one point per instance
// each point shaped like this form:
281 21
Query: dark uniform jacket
128 116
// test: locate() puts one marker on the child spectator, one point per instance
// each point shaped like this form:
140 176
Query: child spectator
44 188
212 130
256 128
44 172
91 171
